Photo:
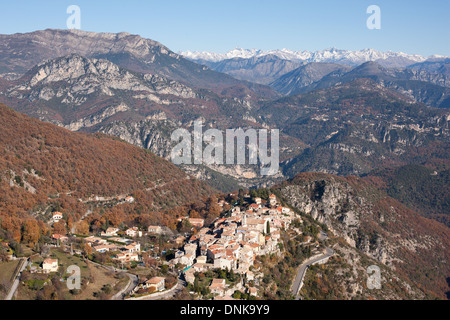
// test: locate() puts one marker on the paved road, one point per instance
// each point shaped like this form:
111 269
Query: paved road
132 283
298 282
16 282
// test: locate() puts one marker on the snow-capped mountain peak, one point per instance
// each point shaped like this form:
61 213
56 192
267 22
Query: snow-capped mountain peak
327 55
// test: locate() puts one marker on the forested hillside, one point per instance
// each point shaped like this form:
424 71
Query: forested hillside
44 168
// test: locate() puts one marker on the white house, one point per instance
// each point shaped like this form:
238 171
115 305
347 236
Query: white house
156 282
50 265
196 222
187 260
201 259
110 232
224 263
57 216
127 257
155 229
133 232
133 247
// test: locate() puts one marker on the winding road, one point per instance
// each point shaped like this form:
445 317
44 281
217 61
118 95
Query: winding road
16 282
132 283
298 282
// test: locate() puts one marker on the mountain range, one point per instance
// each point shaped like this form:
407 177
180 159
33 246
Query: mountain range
21 52
97 111
421 83
290 73
391 59
338 118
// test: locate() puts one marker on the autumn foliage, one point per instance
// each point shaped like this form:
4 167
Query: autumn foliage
45 168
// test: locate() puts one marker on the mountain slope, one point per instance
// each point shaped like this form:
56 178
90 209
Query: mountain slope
263 70
421 85
43 166
421 188
356 127
20 52
88 94
291 83
79 92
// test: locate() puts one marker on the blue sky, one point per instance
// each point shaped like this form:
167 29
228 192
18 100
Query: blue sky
415 27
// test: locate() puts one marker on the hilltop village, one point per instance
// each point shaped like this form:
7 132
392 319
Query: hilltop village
209 261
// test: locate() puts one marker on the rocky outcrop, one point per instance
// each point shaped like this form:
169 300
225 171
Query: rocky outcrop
73 79
20 52
374 224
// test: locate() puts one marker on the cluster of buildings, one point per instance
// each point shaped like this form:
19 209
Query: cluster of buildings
128 249
234 242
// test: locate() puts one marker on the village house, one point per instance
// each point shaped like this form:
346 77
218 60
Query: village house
189 275
102 248
127 257
196 222
225 263
50 265
155 229
250 276
110 232
156 282
179 240
217 286
257 224
235 211
202 267
129 199
272 200
201 259
187 260
179 254
60 237
133 247
91 240
191 248
56 216
133 232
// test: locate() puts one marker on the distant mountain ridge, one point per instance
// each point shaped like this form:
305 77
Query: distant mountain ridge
328 55
424 82
20 52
